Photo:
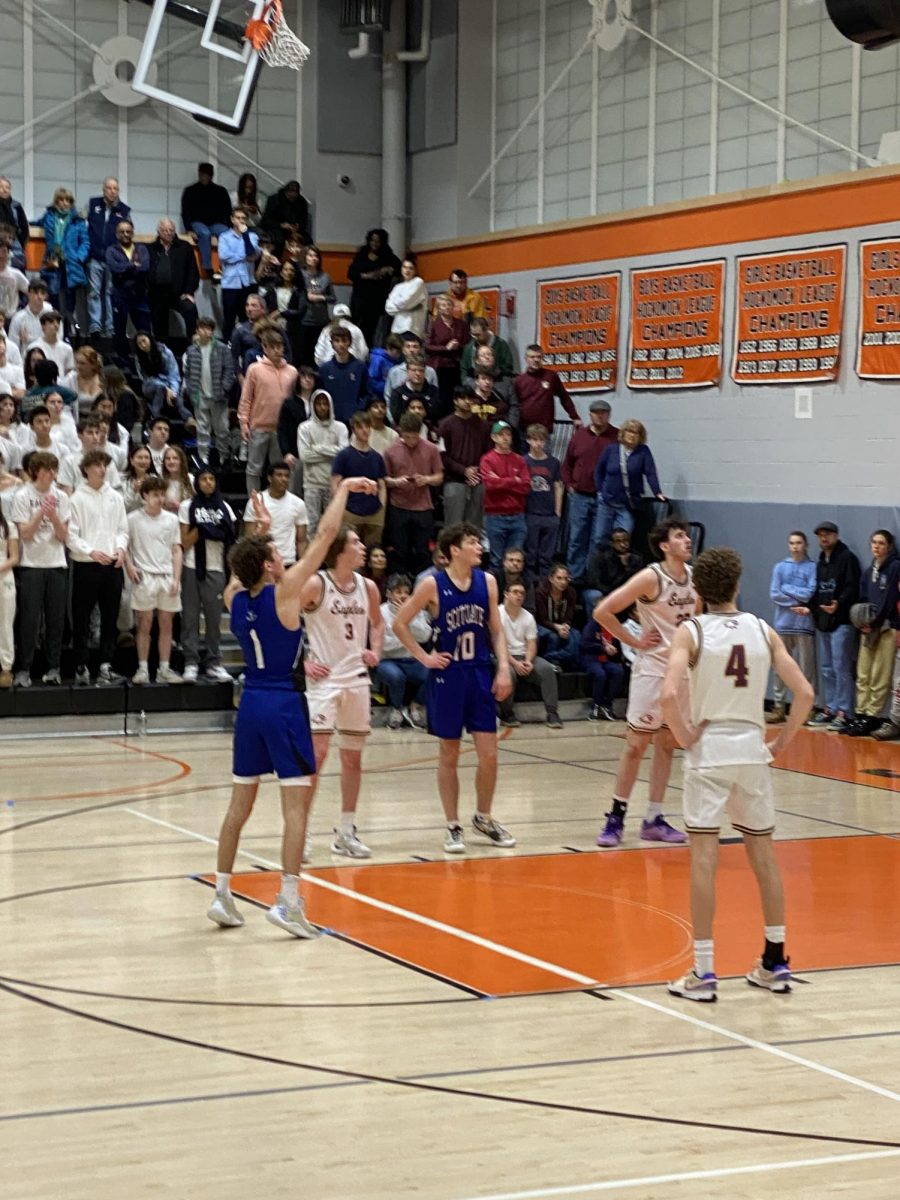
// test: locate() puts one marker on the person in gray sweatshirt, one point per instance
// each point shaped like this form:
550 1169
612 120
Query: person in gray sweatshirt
318 441
793 586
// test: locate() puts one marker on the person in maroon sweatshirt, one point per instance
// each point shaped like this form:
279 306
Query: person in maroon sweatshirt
582 456
537 390
444 346
507 483
465 438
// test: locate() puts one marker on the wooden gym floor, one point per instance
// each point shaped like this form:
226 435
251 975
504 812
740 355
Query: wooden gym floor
490 1028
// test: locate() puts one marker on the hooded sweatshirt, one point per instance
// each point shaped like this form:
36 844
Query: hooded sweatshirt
878 586
793 584
318 442
837 578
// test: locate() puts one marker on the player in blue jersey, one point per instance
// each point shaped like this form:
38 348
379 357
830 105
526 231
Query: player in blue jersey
462 685
271 733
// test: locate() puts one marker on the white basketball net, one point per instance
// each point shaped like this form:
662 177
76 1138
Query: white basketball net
283 48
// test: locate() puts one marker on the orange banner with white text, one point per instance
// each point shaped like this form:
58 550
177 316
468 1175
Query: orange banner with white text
578 330
878 345
789 316
675 339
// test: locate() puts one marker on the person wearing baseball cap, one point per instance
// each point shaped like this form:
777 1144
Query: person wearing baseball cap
837 590
582 455
507 483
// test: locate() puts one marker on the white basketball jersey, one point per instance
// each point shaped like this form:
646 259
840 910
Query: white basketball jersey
672 606
728 677
337 631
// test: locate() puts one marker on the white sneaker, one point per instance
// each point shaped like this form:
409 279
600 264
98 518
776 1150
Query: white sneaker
190 673
82 677
454 840
141 675
395 720
292 918
224 913
350 845
167 675
22 680
219 673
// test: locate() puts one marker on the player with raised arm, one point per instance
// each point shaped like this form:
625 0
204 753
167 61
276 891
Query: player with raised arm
728 654
462 688
665 597
271 733
344 633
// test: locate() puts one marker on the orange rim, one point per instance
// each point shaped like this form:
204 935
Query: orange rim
260 30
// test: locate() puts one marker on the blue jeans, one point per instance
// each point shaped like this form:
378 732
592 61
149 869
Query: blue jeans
540 545
205 234
505 532
836 652
99 298
395 673
590 598
555 650
607 681
609 517
581 522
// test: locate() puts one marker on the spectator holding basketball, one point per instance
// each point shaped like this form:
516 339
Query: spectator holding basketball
878 589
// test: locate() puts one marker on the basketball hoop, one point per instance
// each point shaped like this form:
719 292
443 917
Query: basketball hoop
273 41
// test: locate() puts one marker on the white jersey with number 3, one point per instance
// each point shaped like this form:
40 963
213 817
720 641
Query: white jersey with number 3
728 677
672 606
337 631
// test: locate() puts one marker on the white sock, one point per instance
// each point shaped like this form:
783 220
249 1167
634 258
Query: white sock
348 822
142 664
164 664
223 883
290 888
703 958
775 933
654 810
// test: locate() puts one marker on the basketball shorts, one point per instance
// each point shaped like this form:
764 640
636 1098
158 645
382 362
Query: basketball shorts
461 699
340 709
153 593
645 702
271 735
743 790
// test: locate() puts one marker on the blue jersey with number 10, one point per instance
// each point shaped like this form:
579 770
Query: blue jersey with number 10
462 622
270 651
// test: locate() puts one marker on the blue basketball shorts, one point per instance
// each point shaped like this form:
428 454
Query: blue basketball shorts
461 699
271 735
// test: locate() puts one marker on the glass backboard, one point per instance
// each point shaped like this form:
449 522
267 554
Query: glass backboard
201 60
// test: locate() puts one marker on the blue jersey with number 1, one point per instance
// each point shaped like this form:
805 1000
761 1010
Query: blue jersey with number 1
461 627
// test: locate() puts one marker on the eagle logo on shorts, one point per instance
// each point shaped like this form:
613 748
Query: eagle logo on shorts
646 718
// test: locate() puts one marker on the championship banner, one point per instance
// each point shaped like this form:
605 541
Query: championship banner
675 340
790 311
878 345
491 298
578 330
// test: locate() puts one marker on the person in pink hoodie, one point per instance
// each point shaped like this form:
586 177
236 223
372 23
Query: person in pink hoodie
507 483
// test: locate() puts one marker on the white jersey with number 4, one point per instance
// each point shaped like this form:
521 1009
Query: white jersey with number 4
729 672
337 631
671 607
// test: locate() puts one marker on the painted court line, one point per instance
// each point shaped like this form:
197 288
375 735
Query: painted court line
550 968
585 1189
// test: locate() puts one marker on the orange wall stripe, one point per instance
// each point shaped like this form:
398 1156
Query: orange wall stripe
789 210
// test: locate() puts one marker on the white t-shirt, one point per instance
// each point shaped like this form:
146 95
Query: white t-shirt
157 457
44 549
25 326
150 541
12 282
12 454
215 551
70 475
287 513
60 352
12 375
518 630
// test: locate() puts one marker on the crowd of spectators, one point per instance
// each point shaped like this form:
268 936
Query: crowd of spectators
113 515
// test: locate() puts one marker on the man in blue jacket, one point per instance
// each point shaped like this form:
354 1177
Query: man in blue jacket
103 216
793 586
129 266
